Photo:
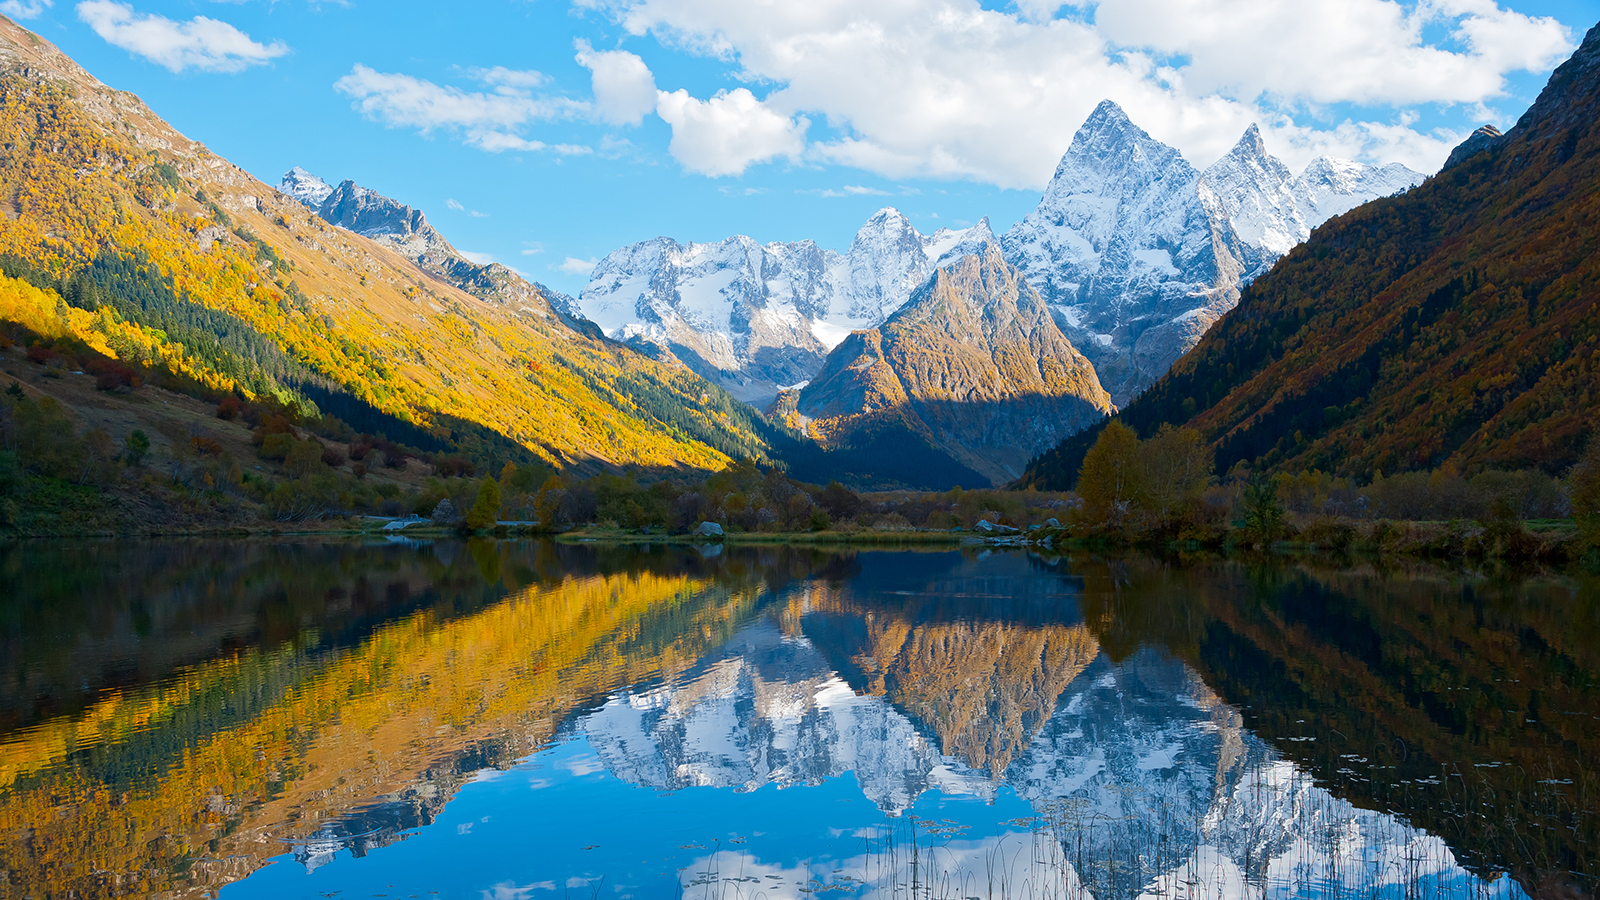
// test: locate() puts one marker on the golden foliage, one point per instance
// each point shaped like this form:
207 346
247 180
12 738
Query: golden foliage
358 726
76 183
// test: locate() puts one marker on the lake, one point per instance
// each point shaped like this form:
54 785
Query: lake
518 720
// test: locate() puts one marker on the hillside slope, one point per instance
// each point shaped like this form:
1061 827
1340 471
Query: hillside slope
974 363
182 259
1456 325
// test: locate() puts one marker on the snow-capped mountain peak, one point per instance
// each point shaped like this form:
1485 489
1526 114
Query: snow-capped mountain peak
947 245
1254 193
305 187
1138 253
1332 187
757 317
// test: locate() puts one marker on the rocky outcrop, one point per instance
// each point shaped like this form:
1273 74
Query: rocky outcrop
1486 138
974 363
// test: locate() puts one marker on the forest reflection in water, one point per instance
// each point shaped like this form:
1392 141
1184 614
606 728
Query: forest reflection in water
177 715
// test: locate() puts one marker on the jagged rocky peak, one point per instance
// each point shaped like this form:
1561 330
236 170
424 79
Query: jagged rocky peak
305 187
1110 184
369 213
1255 193
758 318
887 261
1138 253
407 231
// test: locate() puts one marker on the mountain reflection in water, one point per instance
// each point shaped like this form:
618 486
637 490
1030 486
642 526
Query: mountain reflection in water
531 719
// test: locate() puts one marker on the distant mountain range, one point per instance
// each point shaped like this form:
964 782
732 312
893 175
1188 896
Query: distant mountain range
761 318
1134 250
1453 326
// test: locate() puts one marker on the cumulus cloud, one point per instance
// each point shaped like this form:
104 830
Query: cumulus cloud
729 132
948 88
485 119
200 43
575 266
24 9
624 89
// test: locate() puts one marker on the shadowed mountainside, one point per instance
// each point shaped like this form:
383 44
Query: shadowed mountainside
974 363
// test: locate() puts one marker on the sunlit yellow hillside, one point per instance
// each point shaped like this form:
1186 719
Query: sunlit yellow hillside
386 719
95 188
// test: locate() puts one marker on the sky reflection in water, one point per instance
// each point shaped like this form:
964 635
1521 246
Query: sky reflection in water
790 725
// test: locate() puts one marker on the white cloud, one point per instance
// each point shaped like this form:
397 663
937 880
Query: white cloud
486 119
575 266
24 9
855 190
947 88
477 259
727 133
200 43
456 205
624 89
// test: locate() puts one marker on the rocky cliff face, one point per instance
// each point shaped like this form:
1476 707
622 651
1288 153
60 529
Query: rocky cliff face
974 362
759 318
1138 253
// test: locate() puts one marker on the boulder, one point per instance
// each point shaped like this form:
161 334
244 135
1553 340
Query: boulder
708 529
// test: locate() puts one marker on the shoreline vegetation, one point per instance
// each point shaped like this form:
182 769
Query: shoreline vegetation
91 451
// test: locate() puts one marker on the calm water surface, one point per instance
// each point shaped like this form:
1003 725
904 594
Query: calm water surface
529 720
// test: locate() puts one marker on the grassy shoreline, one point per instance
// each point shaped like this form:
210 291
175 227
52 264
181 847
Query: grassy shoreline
1542 542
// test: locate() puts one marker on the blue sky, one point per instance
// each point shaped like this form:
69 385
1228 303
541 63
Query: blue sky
704 118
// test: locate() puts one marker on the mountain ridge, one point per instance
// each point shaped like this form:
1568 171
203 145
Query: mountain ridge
92 178
1452 326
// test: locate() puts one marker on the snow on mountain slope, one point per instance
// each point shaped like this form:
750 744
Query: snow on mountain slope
305 187
1255 193
1121 245
1139 761
761 317
1138 253
768 710
1332 187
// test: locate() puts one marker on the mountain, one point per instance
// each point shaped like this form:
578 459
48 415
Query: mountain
1135 759
1454 325
1138 253
760 318
407 231
164 254
973 364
